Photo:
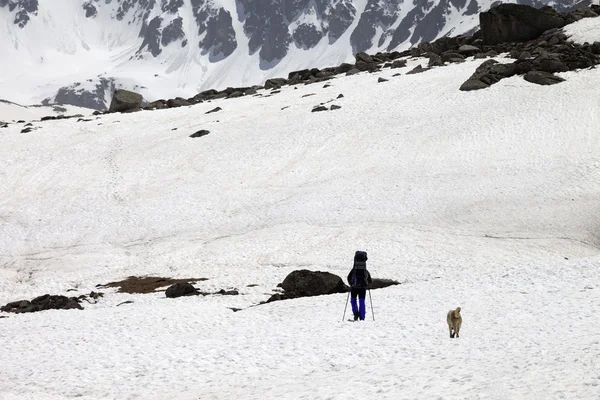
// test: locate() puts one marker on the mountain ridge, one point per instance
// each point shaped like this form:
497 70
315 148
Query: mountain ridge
79 53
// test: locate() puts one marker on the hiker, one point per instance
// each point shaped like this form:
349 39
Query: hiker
359 279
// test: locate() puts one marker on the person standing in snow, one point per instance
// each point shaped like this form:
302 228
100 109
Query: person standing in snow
359 280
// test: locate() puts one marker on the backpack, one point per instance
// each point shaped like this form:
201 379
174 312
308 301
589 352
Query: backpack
358 275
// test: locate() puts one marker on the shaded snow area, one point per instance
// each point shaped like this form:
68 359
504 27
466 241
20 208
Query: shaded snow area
486 200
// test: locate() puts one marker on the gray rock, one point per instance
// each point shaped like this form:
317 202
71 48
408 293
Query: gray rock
178 102
542 78
435 60
380 80
275 83
319 108
473 84
363 57
335 107
468 50
125 100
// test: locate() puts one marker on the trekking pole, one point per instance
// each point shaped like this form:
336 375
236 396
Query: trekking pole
371 300
347 298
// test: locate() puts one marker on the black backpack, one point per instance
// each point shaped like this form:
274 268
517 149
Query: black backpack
358 276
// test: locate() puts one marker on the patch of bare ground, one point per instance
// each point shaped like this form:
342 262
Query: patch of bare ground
146 284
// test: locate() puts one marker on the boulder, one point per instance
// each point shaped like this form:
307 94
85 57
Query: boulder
516 23
542 78
363 57
180 289
41 303
381 80
473 84
312 283
451 56
275 83
488 73
125 100
435 60
343 68
178 102
468 50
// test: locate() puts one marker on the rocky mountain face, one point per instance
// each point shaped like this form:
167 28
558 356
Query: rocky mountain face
258 35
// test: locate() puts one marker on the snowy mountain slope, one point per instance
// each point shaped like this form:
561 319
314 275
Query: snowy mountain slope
72 53
487 200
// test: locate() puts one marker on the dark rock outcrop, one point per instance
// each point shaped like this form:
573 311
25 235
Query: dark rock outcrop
45 302
125 100
517 23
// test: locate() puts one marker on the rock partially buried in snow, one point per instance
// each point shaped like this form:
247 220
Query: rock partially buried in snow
335 107
319 108
542 78
214 110
379 283
200 133
125 100
42 303
381 80
417 70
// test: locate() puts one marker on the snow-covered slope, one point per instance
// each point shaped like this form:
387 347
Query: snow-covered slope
486 199
66 52
11 112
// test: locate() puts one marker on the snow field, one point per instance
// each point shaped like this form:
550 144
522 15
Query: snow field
484 200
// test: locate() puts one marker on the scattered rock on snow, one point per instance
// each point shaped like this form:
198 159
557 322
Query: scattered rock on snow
381 80
41 303
319 108
417 70
335 107
214 110
181 289
200 133
125 302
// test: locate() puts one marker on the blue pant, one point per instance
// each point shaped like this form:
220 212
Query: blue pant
359 308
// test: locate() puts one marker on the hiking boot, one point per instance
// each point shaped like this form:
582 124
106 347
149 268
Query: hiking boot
356 315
